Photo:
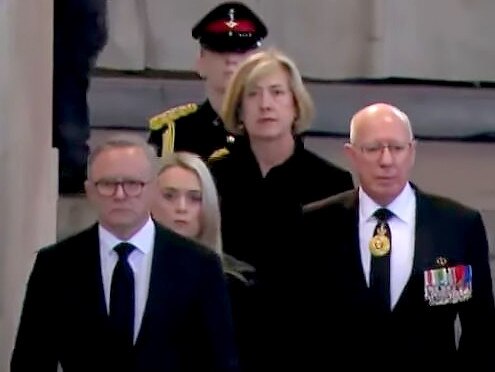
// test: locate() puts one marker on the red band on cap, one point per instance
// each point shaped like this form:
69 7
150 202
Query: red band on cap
226 26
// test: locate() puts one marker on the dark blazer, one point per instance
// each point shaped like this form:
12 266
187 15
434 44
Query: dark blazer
186 324
416 333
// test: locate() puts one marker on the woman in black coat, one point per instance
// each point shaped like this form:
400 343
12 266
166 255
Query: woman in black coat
263 182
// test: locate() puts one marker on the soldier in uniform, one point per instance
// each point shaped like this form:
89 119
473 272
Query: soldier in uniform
227 35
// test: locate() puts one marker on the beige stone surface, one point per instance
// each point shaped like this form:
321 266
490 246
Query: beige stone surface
330 39
27 162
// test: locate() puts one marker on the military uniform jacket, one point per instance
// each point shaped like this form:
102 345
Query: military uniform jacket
193 128
259 218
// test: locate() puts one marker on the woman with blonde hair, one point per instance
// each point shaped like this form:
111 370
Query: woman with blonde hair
263 181
188 204
188 201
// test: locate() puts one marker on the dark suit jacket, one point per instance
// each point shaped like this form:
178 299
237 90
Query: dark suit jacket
186 324
414 332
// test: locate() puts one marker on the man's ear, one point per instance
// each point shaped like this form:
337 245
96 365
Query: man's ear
349 152
413 152
88 188
199 64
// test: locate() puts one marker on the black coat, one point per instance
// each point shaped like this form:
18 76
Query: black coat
186 325
252 206
260 223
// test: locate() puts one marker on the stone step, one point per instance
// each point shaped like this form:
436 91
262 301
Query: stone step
436 111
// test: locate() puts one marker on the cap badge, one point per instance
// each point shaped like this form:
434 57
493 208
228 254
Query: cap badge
231 23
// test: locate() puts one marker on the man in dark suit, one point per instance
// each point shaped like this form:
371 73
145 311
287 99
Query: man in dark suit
392 266
125 294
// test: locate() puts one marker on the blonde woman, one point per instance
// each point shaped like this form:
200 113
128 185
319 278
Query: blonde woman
267 175
263 181
188 204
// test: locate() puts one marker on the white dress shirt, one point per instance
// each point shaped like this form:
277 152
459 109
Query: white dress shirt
402 227
140 260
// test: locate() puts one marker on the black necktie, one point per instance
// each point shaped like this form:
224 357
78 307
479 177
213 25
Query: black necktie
122 298
380 264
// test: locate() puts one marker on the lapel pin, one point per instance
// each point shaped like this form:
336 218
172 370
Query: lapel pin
441 261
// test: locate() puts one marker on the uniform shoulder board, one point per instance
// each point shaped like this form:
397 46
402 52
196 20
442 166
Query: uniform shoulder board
166 118
218 154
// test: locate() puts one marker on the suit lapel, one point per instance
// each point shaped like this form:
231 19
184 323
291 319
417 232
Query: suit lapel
424 249
162 284
351 205
88 282
424 246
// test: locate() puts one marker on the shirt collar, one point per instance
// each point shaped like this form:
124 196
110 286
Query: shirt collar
401 206
143 240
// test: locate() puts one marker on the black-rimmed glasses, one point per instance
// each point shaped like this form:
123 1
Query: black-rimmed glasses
110 187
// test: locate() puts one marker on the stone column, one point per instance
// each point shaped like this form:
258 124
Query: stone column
28 171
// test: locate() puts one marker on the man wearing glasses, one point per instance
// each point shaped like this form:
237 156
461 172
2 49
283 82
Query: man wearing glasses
125 294
401 264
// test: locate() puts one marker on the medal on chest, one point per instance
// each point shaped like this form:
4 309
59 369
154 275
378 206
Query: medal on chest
380 244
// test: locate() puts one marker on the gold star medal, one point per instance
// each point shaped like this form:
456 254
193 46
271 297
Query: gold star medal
380 243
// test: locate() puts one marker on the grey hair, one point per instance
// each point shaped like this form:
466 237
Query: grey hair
210 226
123 141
